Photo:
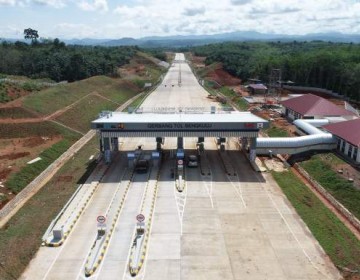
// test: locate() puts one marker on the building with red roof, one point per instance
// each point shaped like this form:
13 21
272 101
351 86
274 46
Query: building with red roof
348 136
257 88
310 106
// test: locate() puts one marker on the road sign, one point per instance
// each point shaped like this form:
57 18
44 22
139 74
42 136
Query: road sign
180 162
140 218
101 219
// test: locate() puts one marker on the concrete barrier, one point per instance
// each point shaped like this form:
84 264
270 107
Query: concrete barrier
137 255
98 249
69 223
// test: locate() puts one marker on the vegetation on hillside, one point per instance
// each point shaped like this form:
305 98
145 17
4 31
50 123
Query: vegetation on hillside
55 60
334 66
343 190
335 238
20 238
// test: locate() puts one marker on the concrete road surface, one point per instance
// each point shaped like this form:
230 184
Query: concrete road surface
220 227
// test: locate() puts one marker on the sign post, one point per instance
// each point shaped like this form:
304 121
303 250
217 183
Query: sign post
140 218
141 225
101 219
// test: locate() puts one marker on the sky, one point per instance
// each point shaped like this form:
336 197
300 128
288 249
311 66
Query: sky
112 19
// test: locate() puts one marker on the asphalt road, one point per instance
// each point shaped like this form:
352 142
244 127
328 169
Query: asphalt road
221 227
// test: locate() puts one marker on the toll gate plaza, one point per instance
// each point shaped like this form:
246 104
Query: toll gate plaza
181 123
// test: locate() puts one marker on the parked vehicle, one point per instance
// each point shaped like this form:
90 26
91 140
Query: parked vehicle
142 166
192 161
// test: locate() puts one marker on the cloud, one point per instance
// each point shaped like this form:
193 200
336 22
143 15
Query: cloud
240 2
190 12
166 28
24 3
95 5
53 3
8 2
68 30
139 18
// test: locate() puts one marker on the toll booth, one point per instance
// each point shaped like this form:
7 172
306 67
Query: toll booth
131 159
155 156
107 155
180 154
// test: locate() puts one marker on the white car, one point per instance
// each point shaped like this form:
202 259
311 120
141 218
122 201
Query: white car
192 161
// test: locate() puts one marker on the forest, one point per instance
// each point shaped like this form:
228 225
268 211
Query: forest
333 66
57 61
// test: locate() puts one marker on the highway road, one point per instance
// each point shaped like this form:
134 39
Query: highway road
220 227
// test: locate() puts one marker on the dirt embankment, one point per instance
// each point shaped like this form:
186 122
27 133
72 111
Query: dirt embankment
215 72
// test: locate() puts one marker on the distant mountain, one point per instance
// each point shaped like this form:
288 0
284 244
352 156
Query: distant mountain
195 40
122 42
86 41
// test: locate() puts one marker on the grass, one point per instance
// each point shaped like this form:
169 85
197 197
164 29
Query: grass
332 159
119 91
136 103
339 187
21 130
274 131
337 241
21 237
80 119
239 102
11 91
19 180
55 98
15 113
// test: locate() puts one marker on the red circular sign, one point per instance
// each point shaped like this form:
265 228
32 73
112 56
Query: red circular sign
101 219
180 162
140 218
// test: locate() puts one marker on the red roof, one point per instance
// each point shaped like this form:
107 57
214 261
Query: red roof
348 130
313 105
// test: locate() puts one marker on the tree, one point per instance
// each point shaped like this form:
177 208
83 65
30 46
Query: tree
31 34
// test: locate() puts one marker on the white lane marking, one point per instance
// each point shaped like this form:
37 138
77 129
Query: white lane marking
237 188
116 192
81 271
112 235
207 180
62 248
70 234
125 275
180 199
289 228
